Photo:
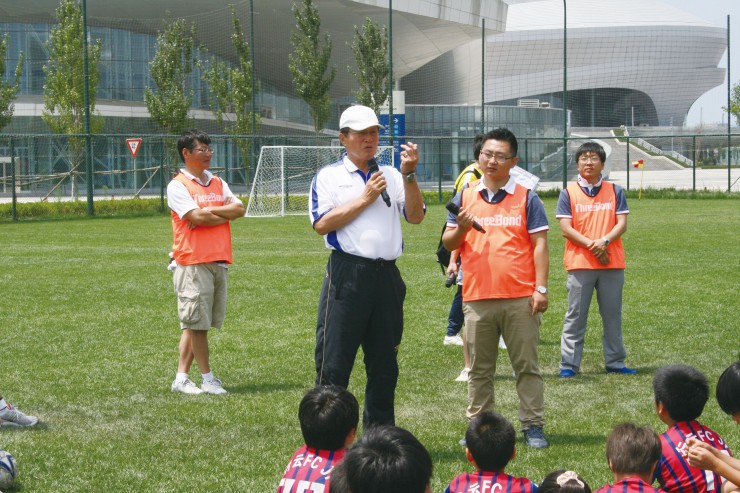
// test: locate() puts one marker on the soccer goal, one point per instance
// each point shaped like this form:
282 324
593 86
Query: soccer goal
283 178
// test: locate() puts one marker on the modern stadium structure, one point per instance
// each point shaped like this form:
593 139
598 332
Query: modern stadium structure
632 62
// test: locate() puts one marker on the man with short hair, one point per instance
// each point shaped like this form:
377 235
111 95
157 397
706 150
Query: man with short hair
505 290
202 208
357 208
593 217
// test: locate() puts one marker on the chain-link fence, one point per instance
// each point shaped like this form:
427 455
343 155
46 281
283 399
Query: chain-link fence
456 71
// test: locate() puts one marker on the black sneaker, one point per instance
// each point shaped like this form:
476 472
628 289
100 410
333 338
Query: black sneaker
535 437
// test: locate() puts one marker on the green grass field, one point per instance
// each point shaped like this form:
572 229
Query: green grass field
88 342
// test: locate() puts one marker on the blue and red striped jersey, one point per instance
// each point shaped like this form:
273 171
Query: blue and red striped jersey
632 484
490 482
309 470
674 473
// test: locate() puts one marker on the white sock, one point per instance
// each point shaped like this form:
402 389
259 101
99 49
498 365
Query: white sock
207 377
181 377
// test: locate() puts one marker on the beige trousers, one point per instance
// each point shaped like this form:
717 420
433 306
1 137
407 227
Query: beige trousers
512 319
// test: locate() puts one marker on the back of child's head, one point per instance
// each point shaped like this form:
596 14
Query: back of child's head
632 449
682 389
328 414
562 481
728 390
338 479
387 459
491 440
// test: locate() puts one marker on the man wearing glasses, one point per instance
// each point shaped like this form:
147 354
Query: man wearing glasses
506 263
202 207
593 216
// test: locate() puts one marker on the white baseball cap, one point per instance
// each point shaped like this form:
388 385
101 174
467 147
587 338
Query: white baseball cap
358 118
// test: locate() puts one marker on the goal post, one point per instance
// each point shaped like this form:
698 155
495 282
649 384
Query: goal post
282 181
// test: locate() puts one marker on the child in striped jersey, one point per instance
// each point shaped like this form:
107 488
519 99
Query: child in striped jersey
709 458
490 440
328 415
633 453
681 392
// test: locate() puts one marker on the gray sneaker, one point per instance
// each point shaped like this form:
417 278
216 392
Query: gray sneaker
10 416
186 387
535 437
213 387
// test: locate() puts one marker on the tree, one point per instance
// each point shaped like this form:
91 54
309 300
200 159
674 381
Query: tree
370 47
310 62
169 69
734 103
8 89
231 90
64 89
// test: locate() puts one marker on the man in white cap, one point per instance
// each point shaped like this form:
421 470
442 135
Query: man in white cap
357 208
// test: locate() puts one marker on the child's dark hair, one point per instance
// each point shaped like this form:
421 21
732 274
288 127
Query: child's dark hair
682 389
328 413
632 449
491 440
338 480
387 459
728 389
562 481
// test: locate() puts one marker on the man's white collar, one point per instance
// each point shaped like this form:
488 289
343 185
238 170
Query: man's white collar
510 187
191 176
584 183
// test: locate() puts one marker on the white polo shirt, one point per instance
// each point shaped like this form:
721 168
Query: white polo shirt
376 231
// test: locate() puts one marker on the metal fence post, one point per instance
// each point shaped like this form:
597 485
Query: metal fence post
14 205
628 159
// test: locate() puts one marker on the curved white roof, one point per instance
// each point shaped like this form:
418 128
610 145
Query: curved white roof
548 14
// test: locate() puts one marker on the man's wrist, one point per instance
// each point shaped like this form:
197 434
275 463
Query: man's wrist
606 241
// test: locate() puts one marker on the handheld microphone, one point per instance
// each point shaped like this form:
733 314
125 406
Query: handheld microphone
450 279
372 167
455 210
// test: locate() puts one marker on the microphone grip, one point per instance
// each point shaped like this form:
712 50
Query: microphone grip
373 168
450 279
455 210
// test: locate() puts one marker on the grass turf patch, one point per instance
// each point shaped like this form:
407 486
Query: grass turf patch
88 338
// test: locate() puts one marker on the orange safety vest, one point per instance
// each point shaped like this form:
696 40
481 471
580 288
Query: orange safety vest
593 217
202 244
500 262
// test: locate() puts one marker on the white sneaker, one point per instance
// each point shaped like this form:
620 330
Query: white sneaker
186 387
213 387
501 343
10 416
463 377
455 340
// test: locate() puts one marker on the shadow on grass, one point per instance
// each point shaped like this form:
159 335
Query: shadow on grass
258 388
454 451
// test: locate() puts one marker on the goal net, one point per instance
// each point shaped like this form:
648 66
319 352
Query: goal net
283 177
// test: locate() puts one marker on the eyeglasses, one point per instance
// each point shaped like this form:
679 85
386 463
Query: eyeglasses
589 158
204 150
497 158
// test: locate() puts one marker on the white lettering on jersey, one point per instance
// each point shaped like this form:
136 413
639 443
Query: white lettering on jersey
596 206
499 220
302 486
485 486
204 198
